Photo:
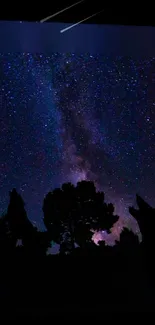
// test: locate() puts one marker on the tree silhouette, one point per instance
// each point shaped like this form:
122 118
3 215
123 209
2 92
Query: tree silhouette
16 217
19 226
145 216
128 246
7 242
128 239
70 212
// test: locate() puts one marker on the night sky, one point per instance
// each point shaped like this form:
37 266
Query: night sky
68 117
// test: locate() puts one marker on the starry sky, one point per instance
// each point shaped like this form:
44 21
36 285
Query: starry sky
68 117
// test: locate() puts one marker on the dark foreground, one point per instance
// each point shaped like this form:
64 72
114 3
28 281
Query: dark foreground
37 288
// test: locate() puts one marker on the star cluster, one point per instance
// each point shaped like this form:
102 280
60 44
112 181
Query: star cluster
67 117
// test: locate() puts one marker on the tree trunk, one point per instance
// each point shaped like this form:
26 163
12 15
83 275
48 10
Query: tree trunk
71 236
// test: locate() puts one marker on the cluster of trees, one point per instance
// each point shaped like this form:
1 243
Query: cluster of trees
70 214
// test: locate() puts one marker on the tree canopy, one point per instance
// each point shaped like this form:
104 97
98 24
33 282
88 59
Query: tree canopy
71 212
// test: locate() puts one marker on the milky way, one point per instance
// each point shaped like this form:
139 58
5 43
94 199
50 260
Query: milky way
67 117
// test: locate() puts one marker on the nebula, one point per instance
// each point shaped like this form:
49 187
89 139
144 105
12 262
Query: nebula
68 117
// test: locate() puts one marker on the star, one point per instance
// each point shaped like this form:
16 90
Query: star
69 117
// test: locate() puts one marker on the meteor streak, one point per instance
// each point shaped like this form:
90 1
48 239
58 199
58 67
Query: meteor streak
78 23
59 12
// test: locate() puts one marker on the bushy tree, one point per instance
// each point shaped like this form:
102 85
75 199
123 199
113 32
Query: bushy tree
70 212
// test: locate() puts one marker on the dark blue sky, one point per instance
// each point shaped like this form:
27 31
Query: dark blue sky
77 106
108 40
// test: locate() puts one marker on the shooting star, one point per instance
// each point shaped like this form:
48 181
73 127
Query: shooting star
81 21
59 12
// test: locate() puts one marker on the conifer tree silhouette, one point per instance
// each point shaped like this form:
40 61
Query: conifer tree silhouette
19 224
34 242
7 242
